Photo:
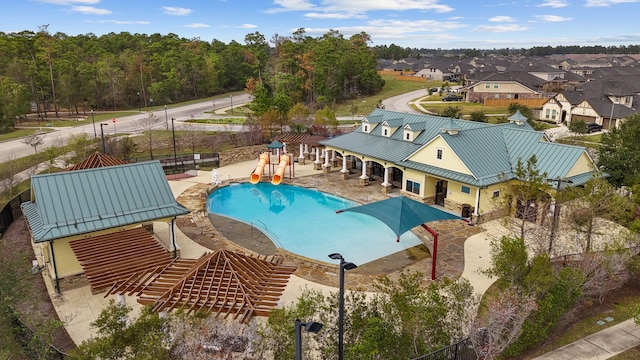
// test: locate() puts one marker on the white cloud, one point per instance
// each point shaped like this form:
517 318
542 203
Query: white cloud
196 26
315 15
600 3
122 22
247 26
377 5
501 19
552 18
291 5
360 6
70 2
176 11
90 10
554 3
500 28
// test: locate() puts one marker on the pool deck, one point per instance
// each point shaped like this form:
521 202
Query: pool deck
462 249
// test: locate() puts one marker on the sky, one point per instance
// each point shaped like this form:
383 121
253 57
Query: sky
431 24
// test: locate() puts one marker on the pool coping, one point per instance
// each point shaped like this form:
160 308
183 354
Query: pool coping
198 227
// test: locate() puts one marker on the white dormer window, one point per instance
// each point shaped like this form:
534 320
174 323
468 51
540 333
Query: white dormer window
439 154
386 132
365 128
408 135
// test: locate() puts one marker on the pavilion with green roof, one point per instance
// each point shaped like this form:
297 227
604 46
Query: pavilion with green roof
89 203
461 165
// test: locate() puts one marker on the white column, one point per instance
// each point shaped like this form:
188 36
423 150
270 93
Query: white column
172 237
386 176
284 148
121 299
306 149
364 170
326 159
301 156
477 204
317 156
344 164
333 155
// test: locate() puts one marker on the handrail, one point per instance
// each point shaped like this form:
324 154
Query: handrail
265 229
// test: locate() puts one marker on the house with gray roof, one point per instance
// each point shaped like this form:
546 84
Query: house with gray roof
83 204
454 163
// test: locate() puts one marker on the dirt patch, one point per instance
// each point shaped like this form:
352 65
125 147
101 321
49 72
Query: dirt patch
35 307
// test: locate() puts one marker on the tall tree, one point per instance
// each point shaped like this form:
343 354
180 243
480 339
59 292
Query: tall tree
619 155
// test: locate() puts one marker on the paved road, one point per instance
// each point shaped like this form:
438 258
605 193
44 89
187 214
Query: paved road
14 149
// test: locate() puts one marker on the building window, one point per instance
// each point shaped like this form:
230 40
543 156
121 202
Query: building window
495 85
407 136
366 128
627 100
465 189
546 114
487 85
496 194
553 114
439 154
386 132
413 187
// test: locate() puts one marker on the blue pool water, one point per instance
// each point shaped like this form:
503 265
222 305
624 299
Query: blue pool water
304 221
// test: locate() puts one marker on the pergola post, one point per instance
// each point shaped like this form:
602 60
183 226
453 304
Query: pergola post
434 256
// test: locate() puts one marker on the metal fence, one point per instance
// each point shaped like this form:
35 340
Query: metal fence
182 162
462 350
12 209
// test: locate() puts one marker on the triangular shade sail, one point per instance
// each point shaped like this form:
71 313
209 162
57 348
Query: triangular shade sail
275 145
402 214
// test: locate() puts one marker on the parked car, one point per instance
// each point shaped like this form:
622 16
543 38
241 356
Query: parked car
593 127
452 97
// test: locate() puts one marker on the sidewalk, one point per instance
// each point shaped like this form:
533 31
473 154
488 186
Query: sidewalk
601 345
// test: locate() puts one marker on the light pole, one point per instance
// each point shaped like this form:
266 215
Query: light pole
166 119
104 148
93 120
175 157
344 265
312 327
139 109
231 98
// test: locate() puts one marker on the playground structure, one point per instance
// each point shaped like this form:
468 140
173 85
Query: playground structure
275 155
264 160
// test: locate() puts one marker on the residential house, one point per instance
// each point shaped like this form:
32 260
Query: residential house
503 85
460 165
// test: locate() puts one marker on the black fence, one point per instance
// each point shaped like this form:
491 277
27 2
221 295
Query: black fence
182 162
462 350
12 210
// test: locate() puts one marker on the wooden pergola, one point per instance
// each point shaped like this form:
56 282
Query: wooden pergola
222 282
109 258
97 160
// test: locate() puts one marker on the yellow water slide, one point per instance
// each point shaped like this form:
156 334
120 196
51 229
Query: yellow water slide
257 173
277 177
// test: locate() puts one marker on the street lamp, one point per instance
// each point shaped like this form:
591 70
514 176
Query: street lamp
231 98
312 327
93 120
104 148
139 109
175 158
166 119
344 265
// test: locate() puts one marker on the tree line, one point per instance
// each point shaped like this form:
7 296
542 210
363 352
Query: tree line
56 74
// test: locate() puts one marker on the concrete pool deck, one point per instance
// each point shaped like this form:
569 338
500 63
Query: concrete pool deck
462 249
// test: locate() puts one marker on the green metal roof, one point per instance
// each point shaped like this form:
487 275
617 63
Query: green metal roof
76 202
490 152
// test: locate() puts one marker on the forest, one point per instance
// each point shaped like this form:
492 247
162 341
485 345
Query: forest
56 75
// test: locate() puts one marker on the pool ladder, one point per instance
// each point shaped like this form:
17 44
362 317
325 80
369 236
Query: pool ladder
264 229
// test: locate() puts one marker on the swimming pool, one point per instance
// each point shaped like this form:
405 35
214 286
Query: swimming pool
304 221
